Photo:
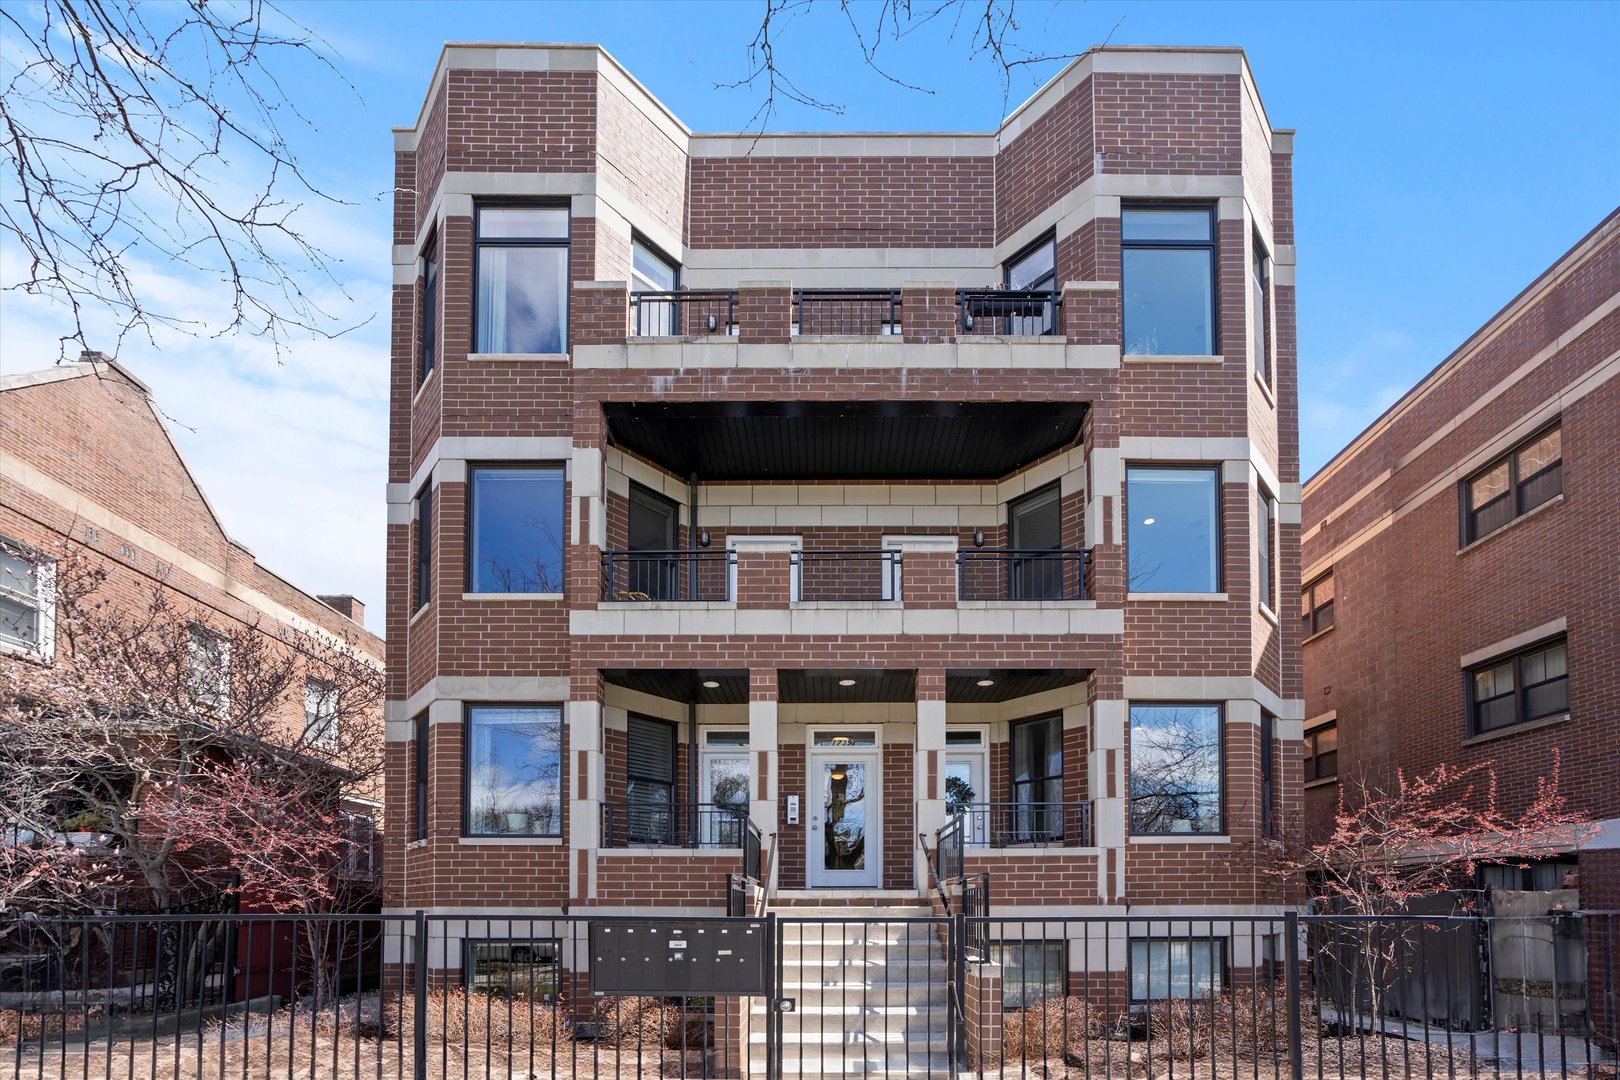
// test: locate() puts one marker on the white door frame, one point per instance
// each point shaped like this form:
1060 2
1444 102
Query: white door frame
816 875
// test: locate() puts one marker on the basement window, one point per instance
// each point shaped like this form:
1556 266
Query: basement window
517 969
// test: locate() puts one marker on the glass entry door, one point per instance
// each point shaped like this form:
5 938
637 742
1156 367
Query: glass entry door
724 816
845 837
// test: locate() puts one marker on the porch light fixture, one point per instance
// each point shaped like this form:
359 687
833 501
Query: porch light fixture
846 682
978 538
987 682
837 774
703 538
711 684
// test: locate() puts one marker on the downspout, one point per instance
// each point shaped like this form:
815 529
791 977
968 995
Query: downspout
692 536
691 706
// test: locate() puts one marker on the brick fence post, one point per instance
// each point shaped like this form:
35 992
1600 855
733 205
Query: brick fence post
599 313
764 312
928 312
1091 313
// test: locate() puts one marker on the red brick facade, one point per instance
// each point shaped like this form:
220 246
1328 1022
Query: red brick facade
924 216
1419 602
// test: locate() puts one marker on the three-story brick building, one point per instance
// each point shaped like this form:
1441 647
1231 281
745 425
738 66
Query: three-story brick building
824 489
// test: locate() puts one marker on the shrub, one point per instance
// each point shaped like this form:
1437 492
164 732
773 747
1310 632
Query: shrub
1048 1027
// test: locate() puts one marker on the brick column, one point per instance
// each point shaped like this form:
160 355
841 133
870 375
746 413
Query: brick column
1091 313
927 571
584 777
982 1014
1106 782
764 312
587 518
764 571
930 760
928 312
763 771
599 313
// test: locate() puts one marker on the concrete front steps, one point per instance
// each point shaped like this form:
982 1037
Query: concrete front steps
869 991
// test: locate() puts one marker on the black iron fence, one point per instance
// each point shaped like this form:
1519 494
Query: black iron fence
452 997
864 312
1014 824
995 574
647 576
678 825
686 313
1008 312
848 575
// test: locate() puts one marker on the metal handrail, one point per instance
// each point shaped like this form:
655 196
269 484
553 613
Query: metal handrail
674 825
844 574
684 313
933 873
858 312
766 872
1018 824
1022 573
1009 312
679 574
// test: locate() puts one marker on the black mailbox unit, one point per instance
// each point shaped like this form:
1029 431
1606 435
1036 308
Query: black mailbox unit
679 956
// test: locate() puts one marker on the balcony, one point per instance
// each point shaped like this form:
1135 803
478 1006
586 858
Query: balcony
1025 824
843 313
642 577
998 575
846 312
676 825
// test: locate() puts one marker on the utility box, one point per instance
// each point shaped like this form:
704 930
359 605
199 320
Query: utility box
679 957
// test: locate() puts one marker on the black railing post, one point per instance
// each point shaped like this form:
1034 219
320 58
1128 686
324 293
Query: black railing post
419 999
1296 1050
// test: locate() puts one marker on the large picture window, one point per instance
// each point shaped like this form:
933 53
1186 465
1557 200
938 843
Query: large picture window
1531 685
1173 529
1177 782
514 770
1186 968
1167 280
522 268
515 535
1513 485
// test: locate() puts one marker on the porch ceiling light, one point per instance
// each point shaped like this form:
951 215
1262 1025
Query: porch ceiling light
987 682
711 684
846 682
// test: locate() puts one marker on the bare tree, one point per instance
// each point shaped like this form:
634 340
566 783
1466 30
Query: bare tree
140 137
993 30
164 752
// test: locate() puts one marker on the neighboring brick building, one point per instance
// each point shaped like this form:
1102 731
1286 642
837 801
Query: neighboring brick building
782 482
85 461
1461 602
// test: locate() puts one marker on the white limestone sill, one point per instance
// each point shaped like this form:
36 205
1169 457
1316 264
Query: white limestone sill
1516 729
1323 782
1269 394
417 397
1267 614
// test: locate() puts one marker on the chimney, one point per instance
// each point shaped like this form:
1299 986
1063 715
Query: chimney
92 356
345 604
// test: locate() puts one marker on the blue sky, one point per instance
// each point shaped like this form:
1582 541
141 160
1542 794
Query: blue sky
1446 154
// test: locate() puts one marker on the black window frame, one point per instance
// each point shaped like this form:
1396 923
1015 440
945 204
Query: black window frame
1268 775
1312 760
1213 246
427 342
1468 513
423 592
566 243
1265 516
1035 577
419 782
473 467
1050 324
639 239
468 967
1311 615
467 710
1520 690
1260 278
1225 823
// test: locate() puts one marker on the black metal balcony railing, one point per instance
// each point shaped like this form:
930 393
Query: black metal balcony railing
872 312
1008 312
689 312
680 825
1015 574
645 576
848 575
1015 824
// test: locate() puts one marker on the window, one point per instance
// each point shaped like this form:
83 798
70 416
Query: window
514 770
1543 875
515 531
320 713
522 268
420 822
1265 526
1513 485
1185 968
360 856
1034 525
1037 780
1260 317
1268 775
1530 685
424 547
429 344
520 968
208 669
1167 280
653 523
27 607
650 780
1030 971
1316 606
651 271
1172 531
1176 775
1032 270
1322 752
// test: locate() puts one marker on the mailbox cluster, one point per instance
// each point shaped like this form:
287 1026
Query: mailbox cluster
679 957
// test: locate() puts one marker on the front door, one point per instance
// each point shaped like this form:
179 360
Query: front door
845 836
